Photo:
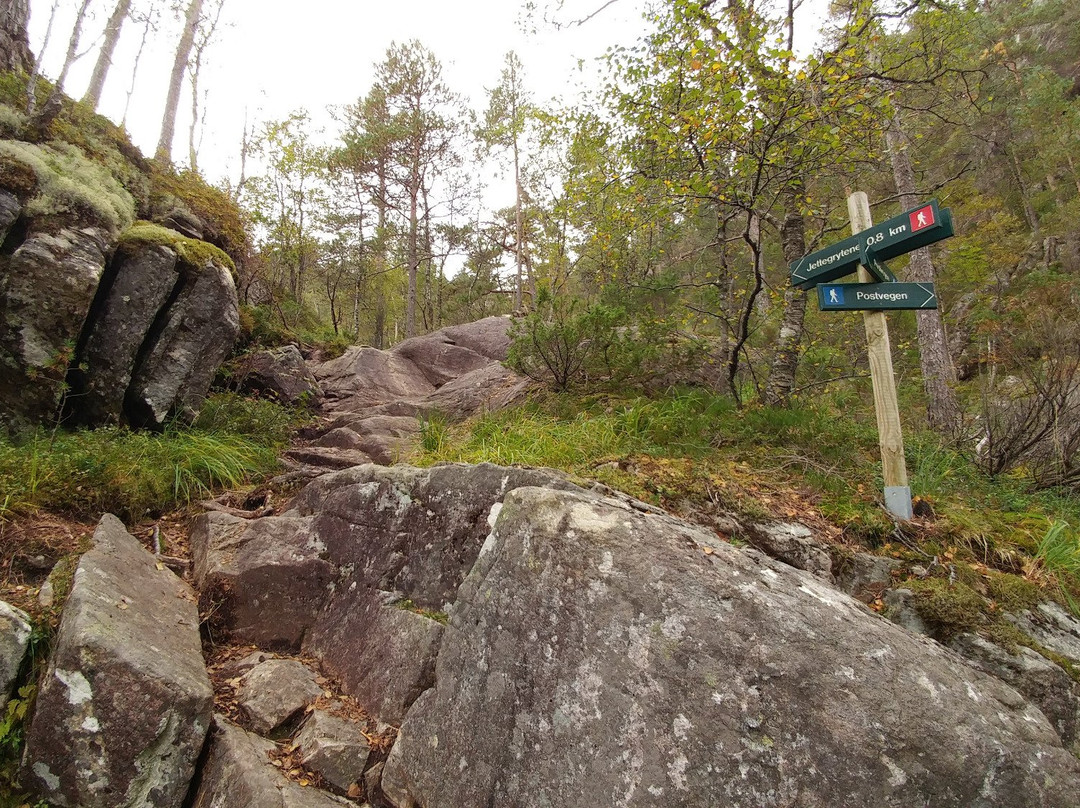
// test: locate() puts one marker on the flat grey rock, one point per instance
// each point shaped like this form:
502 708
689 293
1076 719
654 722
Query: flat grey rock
274 691
334 747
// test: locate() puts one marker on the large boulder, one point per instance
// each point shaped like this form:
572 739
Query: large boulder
15 632
362 377
452 352
361 571
600 655
125 704
243 566
186 347
487 389
143 278
48 285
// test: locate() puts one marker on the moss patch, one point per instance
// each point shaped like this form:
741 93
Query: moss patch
226 226
192 252
948 608
66 182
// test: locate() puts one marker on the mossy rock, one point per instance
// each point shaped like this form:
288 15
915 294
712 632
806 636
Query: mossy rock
225 224
193 253
948 608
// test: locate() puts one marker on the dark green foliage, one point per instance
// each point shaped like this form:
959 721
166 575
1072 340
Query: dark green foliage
567 344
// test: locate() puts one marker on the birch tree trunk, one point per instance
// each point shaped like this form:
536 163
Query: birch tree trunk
788 342
176 80
108 47
938 372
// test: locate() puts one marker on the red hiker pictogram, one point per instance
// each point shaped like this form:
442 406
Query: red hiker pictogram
923 217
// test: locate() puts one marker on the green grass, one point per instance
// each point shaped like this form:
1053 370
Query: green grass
135 474
689 444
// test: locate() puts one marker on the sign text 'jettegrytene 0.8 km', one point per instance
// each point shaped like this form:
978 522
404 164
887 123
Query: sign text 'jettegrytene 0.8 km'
901 234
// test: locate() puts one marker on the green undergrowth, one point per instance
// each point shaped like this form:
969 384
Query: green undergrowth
815 461
134 474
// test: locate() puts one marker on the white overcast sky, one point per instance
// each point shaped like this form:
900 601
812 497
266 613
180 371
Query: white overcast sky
271 57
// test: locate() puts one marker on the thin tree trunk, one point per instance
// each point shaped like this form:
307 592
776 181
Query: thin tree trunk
108 47
519 228
35 73
938 372
786 352
413 256
135 68
176 80
73 44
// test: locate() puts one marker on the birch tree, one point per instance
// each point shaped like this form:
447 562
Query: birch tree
176 80
105 55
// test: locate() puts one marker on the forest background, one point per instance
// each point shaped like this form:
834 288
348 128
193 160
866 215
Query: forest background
653 220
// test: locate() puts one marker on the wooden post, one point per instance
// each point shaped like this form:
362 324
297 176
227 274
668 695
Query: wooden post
886 407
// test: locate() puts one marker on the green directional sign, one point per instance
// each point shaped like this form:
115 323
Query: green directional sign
876 296
901 234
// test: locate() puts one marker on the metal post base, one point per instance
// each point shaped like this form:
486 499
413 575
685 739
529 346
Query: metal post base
898 501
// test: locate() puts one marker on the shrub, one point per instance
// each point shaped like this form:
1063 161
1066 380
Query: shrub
568 345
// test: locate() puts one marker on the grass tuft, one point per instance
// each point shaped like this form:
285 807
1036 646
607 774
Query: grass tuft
135 474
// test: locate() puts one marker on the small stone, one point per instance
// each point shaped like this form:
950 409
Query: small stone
334 747
274 691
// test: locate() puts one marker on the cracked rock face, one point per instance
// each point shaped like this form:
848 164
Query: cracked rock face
126 702
597 655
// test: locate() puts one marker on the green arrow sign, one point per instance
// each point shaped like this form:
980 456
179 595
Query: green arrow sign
876 296
909 231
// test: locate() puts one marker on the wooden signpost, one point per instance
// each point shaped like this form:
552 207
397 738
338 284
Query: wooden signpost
878 290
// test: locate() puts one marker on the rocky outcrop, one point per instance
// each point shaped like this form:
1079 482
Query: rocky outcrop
182 353
125 704
597 655
362 571
379 397
15 52
136 333
50 281
14 640
541 644
416 371
1045 684
144 280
